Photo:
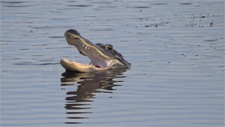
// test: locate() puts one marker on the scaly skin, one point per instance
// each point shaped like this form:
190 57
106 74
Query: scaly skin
103 57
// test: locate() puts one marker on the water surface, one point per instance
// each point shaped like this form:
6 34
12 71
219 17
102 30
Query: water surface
176 50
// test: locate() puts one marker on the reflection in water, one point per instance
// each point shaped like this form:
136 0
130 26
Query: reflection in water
78 102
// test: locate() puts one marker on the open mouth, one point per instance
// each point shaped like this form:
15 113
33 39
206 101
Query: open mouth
87 48
103 57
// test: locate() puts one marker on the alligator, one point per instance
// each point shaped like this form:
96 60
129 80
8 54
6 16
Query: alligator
103 57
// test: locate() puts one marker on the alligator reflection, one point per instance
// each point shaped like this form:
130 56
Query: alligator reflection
78 102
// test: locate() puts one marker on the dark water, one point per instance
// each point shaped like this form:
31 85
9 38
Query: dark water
176 49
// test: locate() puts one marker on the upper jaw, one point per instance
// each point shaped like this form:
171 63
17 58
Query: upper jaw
88 49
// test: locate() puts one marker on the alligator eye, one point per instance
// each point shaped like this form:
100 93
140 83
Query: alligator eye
109 47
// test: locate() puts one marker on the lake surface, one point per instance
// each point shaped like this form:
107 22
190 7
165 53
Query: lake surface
176 49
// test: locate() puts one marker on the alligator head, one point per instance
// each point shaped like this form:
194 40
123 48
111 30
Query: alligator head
103 57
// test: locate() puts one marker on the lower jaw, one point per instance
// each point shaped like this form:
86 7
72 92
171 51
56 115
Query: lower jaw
79 67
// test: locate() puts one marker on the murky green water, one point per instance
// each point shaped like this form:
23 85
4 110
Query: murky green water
176 50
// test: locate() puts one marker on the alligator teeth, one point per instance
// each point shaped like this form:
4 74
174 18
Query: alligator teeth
83 45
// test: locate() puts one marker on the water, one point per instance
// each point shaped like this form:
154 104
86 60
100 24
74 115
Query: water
176 49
